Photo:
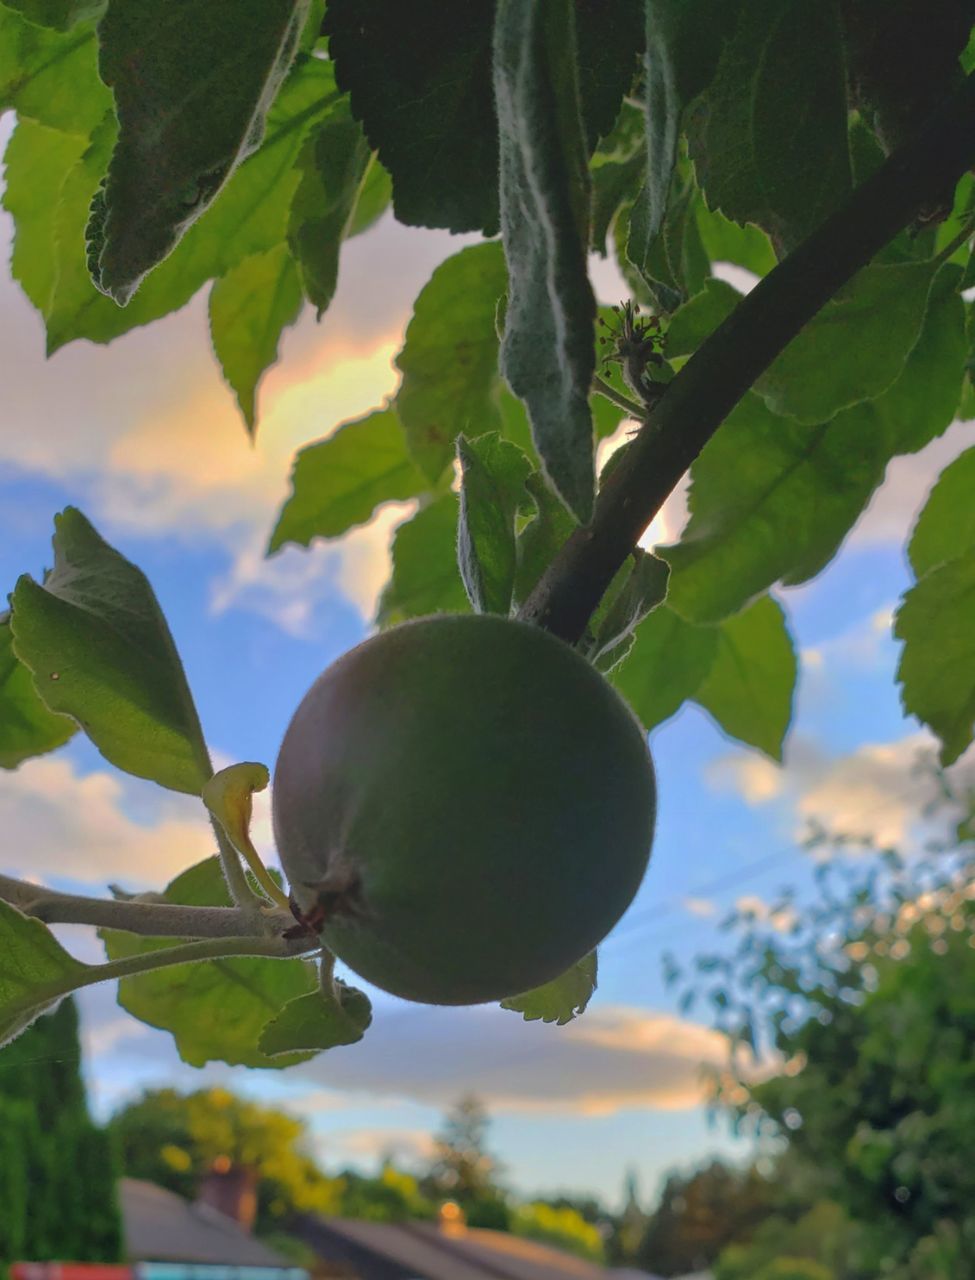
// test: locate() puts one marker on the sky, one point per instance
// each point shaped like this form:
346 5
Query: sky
145 438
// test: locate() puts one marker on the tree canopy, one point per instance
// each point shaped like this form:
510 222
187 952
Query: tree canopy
821 147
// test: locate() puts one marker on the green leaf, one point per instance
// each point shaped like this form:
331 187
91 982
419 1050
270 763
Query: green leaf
492 493
375 196
216 1010
726 241
643 588
314 1022
340 482
751 684
669 661
946 527
100 651
250 306
855 347
425 575
769 140
249 216
450 357
35 971
36 163
697 318
610 40
172 66
27 728
51 77
59 14
936 621
683 41
772 500
547 354
542 537
335 166
430 114
671 261
560 1000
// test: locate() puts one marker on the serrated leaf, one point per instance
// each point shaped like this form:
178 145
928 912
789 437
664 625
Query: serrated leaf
425 575
945 528
492 493
936 622
855 347
335 165
643 588
250 215
36 163
670 261
100 651
773 500
340 482
560 1000
669 661
61 15
35 971
314 1022
51 77
699 316
751 684
449 360
547 354
769 139
250 307
429 115
27 727
216 1010
169 63
542 537
683 41
726 241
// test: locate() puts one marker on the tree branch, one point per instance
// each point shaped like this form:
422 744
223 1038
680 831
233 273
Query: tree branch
150 919
712 382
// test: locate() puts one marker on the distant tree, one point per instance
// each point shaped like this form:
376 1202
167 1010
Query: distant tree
58 1172
463 1170
868 999
563 1227
822 1244
173 1139
700 1214
392 1196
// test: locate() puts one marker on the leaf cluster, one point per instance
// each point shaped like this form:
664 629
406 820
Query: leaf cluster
235 146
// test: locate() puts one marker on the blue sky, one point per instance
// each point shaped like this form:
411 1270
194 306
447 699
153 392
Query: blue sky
144 437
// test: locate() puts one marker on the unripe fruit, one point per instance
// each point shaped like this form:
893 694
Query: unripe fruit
468 804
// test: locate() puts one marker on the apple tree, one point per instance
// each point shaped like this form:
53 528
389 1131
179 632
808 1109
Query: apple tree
162 147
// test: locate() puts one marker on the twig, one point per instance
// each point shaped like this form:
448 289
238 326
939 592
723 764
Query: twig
713 381
150 919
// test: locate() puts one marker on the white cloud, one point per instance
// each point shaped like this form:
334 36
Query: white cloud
879 791
59 824
608 1060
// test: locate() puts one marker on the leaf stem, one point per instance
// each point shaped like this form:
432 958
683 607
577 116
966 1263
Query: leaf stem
188 953
149 919
727 364
629 407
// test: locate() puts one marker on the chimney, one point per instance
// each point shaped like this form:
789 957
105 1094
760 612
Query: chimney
231 1189
451 1219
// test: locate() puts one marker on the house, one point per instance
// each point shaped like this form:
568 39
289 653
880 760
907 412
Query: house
162 1229
426 1251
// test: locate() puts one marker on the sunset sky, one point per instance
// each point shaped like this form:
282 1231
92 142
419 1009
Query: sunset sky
145 438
